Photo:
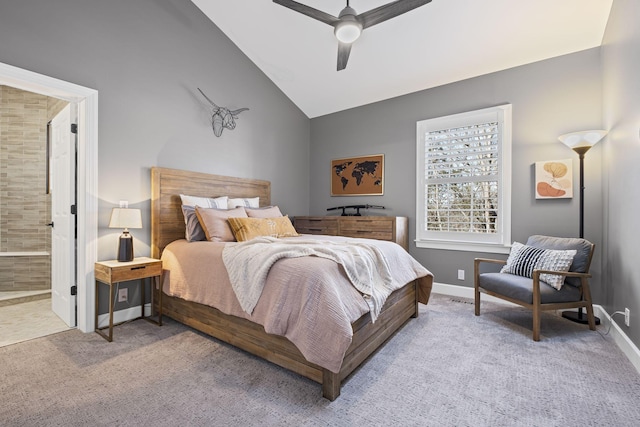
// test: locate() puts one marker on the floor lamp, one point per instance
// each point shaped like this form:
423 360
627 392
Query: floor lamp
581 142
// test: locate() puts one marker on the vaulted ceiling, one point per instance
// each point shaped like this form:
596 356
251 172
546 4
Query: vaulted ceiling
438 43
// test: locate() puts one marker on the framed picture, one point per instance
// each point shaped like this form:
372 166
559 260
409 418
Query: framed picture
554 179
358 176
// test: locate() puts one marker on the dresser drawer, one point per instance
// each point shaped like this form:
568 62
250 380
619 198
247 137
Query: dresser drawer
368 224
316 225
367 228
367 234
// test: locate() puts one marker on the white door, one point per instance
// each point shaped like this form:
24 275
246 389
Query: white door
63 229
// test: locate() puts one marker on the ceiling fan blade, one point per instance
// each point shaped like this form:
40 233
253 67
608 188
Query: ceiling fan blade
344 49
388 11
309 11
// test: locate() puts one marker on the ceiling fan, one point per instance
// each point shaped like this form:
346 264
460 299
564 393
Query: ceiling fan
349 25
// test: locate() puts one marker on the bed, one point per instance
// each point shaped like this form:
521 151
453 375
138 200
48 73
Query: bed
168 226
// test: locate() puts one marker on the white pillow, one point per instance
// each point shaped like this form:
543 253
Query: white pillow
204 202
253 202
524 259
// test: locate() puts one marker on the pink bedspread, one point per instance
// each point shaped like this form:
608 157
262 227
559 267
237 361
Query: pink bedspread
309 300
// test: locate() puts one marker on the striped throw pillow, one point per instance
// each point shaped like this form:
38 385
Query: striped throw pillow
524 259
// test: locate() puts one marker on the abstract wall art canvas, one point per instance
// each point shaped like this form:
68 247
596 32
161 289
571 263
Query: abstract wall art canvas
554 179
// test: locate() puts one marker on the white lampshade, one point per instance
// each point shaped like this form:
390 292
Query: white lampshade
125 218
582 139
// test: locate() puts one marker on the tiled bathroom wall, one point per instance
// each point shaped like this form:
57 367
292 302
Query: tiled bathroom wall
25 206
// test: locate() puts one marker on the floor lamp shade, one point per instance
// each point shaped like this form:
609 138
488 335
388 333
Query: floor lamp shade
581 142
125 218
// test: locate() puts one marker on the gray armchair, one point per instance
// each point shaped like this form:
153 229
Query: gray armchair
535 294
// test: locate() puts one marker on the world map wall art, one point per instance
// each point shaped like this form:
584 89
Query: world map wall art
554 179
358 176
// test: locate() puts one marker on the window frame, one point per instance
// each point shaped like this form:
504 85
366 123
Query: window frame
499 242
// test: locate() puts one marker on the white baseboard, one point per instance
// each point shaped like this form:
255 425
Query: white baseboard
125 315
464 292
619 337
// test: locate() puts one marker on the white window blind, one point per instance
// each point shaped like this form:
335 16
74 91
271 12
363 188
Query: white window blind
463 196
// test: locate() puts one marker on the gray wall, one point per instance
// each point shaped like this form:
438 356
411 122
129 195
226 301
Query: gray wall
549 98
621 71
146 58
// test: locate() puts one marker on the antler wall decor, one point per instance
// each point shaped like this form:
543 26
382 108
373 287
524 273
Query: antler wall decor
222 117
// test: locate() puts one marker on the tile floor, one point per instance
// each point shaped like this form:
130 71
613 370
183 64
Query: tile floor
28 320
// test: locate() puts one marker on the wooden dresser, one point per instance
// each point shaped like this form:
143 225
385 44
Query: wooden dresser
391 228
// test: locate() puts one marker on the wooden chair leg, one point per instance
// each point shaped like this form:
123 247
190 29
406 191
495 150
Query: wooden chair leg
536 306
536 323
591 317
586 295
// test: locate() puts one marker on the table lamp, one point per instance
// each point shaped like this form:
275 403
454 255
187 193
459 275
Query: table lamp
125 218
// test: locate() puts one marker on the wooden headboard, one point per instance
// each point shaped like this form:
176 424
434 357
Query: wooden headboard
167 221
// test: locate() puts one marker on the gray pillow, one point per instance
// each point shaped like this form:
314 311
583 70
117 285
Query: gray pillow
193 229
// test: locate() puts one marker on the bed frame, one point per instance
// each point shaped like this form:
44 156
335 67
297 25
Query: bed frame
167 225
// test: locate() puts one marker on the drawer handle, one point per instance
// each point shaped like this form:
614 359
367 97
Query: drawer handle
315 229
315 220
139 268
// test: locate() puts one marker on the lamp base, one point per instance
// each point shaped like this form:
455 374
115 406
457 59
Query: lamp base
125 248
578 317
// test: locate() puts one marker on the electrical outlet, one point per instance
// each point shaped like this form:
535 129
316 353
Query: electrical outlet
627 315
123 295
460 274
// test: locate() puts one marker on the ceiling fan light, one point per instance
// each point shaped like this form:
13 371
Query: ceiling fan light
348 31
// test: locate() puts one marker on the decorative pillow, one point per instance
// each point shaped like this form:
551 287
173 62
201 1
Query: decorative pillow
583 248
524 259
215 225
268 212
253 202
250 228
205 202
193 229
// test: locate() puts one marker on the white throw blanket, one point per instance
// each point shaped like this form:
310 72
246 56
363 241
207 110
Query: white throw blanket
248 264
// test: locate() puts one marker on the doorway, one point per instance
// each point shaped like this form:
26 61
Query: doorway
25 211
87 154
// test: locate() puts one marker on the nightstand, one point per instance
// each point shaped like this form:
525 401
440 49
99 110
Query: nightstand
112 272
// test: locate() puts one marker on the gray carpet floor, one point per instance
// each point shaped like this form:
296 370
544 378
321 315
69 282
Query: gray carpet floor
445 368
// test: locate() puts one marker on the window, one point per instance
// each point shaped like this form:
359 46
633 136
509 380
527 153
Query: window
464 181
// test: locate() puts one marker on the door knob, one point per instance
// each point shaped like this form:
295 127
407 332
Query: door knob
50 224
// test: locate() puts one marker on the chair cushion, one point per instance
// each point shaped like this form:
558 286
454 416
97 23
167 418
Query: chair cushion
524 259
521 288
581 260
